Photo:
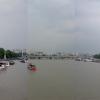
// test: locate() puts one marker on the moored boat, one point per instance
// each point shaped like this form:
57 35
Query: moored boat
78 59
23 61
2 66
11 62
5 63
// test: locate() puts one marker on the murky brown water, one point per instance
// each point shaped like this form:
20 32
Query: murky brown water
53 80
65 80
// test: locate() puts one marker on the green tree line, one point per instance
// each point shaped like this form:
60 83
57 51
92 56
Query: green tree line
97 56
8 53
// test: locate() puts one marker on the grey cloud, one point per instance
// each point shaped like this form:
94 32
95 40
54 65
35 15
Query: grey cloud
71 25
13 24
52 12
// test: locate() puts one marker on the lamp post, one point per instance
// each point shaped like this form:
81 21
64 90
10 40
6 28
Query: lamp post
5 55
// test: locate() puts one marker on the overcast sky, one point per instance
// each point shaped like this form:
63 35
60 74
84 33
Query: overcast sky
13 23
51 25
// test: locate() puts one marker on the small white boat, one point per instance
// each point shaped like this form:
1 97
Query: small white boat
2 67
78 59
5 63
87 60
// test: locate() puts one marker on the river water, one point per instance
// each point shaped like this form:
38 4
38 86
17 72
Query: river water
53 80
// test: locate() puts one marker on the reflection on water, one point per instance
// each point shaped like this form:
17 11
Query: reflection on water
3 70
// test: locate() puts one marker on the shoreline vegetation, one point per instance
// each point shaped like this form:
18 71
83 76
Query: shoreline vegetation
9 54
97 56
40 55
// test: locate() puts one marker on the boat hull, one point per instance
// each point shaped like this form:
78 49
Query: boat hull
31 67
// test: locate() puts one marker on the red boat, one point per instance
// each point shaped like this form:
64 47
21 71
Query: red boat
31 67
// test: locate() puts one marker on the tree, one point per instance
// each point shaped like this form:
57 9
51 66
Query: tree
2 52
8 54
97 56
11 54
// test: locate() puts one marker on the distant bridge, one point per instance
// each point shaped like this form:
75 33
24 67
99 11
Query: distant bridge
50 57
